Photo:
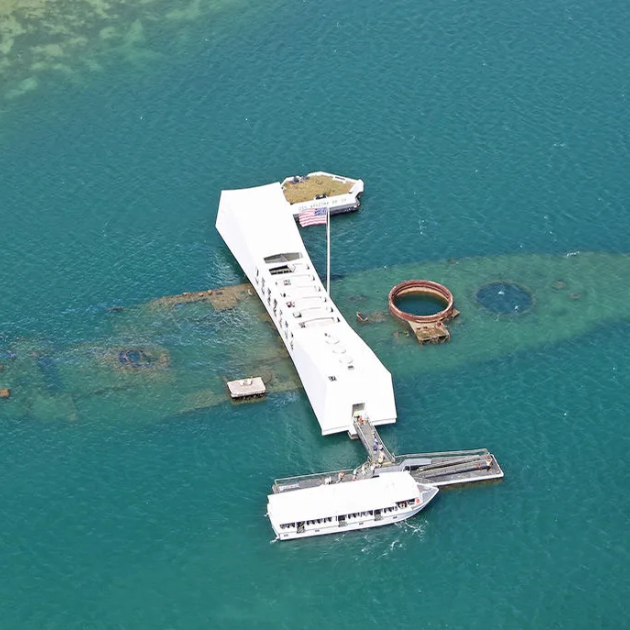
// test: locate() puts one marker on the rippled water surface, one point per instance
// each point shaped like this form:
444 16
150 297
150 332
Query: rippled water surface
481 130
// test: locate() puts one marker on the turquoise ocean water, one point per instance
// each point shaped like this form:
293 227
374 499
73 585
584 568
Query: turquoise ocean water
480 129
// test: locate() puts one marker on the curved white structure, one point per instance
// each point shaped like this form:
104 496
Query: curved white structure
340 373
343 506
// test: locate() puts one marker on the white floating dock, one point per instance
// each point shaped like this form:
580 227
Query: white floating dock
247 388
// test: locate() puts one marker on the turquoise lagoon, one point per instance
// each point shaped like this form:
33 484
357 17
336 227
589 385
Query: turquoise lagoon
481 129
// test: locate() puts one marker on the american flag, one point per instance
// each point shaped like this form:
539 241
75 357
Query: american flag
313 216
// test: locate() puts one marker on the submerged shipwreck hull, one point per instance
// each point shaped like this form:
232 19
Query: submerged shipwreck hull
174 355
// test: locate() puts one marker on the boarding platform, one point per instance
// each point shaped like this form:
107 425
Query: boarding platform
440 469
449 468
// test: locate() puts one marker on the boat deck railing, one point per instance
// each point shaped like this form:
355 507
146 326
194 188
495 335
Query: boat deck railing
345 475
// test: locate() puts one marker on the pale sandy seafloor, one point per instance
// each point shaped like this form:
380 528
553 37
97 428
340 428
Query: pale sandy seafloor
68 40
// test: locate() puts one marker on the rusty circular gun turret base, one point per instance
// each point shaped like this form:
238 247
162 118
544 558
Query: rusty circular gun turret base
427 328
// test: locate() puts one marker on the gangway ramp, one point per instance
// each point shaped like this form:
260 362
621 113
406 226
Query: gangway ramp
378 453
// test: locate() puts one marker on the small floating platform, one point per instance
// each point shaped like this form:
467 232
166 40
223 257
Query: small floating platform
247 389
322 190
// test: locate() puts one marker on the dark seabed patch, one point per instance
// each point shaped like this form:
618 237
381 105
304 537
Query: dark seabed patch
505 298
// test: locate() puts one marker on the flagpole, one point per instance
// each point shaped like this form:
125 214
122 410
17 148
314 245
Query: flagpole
328 249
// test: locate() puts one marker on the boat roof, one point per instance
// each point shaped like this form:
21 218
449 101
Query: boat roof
337 499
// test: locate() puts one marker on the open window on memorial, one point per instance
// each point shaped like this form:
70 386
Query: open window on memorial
282 263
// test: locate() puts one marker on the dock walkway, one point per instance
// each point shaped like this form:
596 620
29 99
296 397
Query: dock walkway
440 469
378 453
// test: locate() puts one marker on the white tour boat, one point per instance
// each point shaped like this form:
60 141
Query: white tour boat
341 506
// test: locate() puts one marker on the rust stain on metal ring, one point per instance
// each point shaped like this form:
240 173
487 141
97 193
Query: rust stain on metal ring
422 287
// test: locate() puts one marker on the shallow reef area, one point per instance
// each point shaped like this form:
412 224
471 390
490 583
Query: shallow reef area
71 39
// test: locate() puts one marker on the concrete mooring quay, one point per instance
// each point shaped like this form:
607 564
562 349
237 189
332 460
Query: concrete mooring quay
443 468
